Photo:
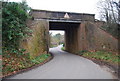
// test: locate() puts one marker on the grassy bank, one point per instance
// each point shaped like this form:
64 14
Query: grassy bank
13 63
103 56
63 48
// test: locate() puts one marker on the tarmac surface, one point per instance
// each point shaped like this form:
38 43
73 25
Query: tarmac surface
65 65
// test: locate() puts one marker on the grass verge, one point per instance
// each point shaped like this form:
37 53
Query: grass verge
102 55
63 48
13 63
108 59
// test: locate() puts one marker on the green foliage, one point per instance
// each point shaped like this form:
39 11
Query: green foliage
63 48
40 58
14 24
14 63
56 40
58 36
82 52
37 44
14 30
102 55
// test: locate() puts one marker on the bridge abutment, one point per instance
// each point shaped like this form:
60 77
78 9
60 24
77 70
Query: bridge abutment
37 42
71 39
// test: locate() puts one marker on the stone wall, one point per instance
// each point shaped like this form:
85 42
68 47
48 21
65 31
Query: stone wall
37 42
94 38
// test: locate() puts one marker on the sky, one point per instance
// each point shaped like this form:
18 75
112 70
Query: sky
79 6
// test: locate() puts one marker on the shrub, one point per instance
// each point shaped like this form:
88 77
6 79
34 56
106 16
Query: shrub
14 24
82 52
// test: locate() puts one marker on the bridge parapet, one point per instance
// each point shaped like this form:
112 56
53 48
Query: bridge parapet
56 15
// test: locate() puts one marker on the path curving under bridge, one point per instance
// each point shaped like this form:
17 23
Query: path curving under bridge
66 66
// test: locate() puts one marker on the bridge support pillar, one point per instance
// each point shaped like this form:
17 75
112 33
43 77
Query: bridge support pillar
82 41
71 39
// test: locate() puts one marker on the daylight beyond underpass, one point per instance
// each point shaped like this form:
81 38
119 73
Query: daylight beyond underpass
66 66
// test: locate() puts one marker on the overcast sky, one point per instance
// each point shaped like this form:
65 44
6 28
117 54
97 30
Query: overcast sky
80 6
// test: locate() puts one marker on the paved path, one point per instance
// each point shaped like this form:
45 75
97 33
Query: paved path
66 66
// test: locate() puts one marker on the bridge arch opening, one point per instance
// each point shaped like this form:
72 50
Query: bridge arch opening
71 33
56 38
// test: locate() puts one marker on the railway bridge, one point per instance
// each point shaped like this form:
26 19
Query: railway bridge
82 32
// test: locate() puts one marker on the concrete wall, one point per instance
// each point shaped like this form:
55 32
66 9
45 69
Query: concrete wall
37 42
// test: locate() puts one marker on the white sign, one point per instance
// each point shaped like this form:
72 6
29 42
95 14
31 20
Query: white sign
66 16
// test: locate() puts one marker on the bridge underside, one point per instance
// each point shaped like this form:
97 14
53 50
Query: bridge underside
71 33
62 25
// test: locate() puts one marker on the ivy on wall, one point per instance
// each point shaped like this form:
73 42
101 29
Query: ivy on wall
14 16
14 33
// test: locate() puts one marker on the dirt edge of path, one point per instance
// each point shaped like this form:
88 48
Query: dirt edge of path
28 69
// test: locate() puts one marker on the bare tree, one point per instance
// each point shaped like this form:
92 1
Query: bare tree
110 12
118 8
